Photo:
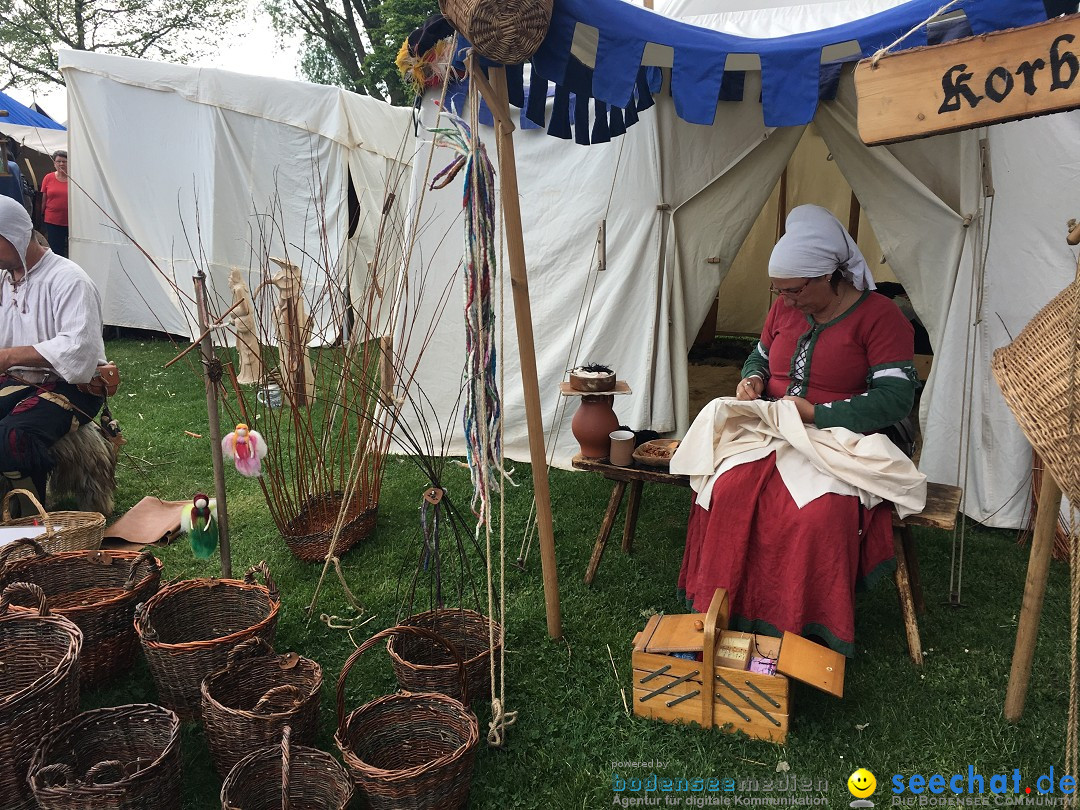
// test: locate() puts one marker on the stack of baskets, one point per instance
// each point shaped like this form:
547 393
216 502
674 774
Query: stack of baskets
188 629
64 531
246 706
39 687
98 591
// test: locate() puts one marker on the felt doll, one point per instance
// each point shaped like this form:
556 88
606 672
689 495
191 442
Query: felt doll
246 448
200 522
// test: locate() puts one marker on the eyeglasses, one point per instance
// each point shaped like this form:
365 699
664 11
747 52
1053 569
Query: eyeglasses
791 292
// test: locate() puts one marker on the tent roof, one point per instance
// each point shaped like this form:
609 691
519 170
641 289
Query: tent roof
21 115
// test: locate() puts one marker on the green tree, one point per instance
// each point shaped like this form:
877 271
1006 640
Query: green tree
352 43
169 30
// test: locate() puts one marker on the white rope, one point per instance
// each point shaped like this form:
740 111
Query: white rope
882 51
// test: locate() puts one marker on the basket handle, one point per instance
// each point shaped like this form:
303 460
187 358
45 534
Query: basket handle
29 542
55 775
262 568
286 734
399 630
246 649
144 556
16 589
277 691
142 622
110 767
30 496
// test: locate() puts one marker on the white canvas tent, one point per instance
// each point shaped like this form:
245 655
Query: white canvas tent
680 198
191 161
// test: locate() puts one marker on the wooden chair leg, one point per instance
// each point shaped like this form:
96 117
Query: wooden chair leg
631 516
907 603
605 530
911 557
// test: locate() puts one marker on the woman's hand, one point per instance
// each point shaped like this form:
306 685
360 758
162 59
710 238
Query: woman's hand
805 408
749 388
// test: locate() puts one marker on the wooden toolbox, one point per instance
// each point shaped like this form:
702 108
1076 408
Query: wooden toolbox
674 689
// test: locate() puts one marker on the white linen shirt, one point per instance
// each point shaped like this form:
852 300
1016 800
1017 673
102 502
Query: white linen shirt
57 310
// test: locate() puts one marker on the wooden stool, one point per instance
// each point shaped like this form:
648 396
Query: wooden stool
940 512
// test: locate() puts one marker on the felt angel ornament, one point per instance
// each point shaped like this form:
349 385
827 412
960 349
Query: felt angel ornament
246 448
199 521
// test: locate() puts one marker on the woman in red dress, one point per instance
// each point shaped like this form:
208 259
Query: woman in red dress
843 355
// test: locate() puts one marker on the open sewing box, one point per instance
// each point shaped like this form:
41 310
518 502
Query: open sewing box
671 689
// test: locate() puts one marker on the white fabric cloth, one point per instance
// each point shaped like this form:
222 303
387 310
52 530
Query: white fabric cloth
811 461
15 226
815 244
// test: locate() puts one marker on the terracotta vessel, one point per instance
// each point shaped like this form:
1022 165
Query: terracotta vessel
593 424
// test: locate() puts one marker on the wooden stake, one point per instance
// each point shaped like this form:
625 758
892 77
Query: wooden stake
497 99
1027 630
206 347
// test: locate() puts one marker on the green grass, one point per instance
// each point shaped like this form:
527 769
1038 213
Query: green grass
572 726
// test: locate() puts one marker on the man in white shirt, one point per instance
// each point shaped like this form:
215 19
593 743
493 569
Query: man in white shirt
50 342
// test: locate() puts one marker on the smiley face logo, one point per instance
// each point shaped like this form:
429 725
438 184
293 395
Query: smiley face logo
862 783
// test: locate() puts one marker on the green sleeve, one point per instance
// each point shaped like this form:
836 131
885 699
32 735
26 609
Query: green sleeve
757 364
888 399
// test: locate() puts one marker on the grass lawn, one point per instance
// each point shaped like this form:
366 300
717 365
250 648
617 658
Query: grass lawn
572 728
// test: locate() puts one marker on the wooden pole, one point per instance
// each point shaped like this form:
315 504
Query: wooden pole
206 348
495 93
1027 630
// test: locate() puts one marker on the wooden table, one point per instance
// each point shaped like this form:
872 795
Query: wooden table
636 476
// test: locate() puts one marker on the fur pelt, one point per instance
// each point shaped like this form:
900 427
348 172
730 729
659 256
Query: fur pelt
85 469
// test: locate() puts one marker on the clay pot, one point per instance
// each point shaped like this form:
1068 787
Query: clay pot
593 424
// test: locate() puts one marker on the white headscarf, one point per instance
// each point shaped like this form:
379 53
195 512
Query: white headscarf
15 226
815 244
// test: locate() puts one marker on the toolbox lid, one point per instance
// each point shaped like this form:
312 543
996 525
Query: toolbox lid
812 664
676 632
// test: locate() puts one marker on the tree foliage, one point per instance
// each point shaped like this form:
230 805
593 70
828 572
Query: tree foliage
353 43
169 30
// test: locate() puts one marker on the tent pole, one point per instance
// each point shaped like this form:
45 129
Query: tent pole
495 94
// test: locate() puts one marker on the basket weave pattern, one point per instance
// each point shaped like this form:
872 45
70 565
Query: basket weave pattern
188 629
507 31
39 689
309 534
64 531
122 758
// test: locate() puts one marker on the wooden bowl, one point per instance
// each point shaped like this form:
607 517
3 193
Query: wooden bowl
656 453
591 383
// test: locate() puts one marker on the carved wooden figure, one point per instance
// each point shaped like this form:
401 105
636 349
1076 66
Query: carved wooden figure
293 333
248 349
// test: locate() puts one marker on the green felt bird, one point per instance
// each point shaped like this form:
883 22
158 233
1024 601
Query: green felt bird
200 522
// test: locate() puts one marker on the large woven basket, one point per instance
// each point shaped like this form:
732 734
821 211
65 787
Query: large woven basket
64 531
39 687
246 705
98 590
421 666
188 629
1039 374
507 31
309 534
287 777
121 758
408 751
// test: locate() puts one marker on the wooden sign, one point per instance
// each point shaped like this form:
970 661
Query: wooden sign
1001 76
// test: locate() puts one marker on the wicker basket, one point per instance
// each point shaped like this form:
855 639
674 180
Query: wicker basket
39 689
98 590
421 666
121 758
188 629
507 31
64 531
246 705
408 751
308 535
287 777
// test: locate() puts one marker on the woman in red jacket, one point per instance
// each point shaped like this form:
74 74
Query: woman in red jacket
54 204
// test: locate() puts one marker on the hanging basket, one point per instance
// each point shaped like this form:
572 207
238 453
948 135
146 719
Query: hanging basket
39 687
246 705
408 751
1039 374
421 666
309 534
287 777
188 629
507 31
64 531
121 758
98 590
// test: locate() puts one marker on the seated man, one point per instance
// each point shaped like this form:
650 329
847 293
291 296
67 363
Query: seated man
50 341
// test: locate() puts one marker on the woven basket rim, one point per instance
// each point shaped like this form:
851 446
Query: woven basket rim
57 673
214 678
450 665
335 768
60 559
207 583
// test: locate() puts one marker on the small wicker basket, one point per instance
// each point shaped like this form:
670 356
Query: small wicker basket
507 31
309 535
64 531
246 705
188 629
408 751
39 690
120 758
98 590
287 777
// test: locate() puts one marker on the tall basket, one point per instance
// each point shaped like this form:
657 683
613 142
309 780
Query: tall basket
188 629
64 531
98 590
39 688
507 31
120 758
408 751
246 705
